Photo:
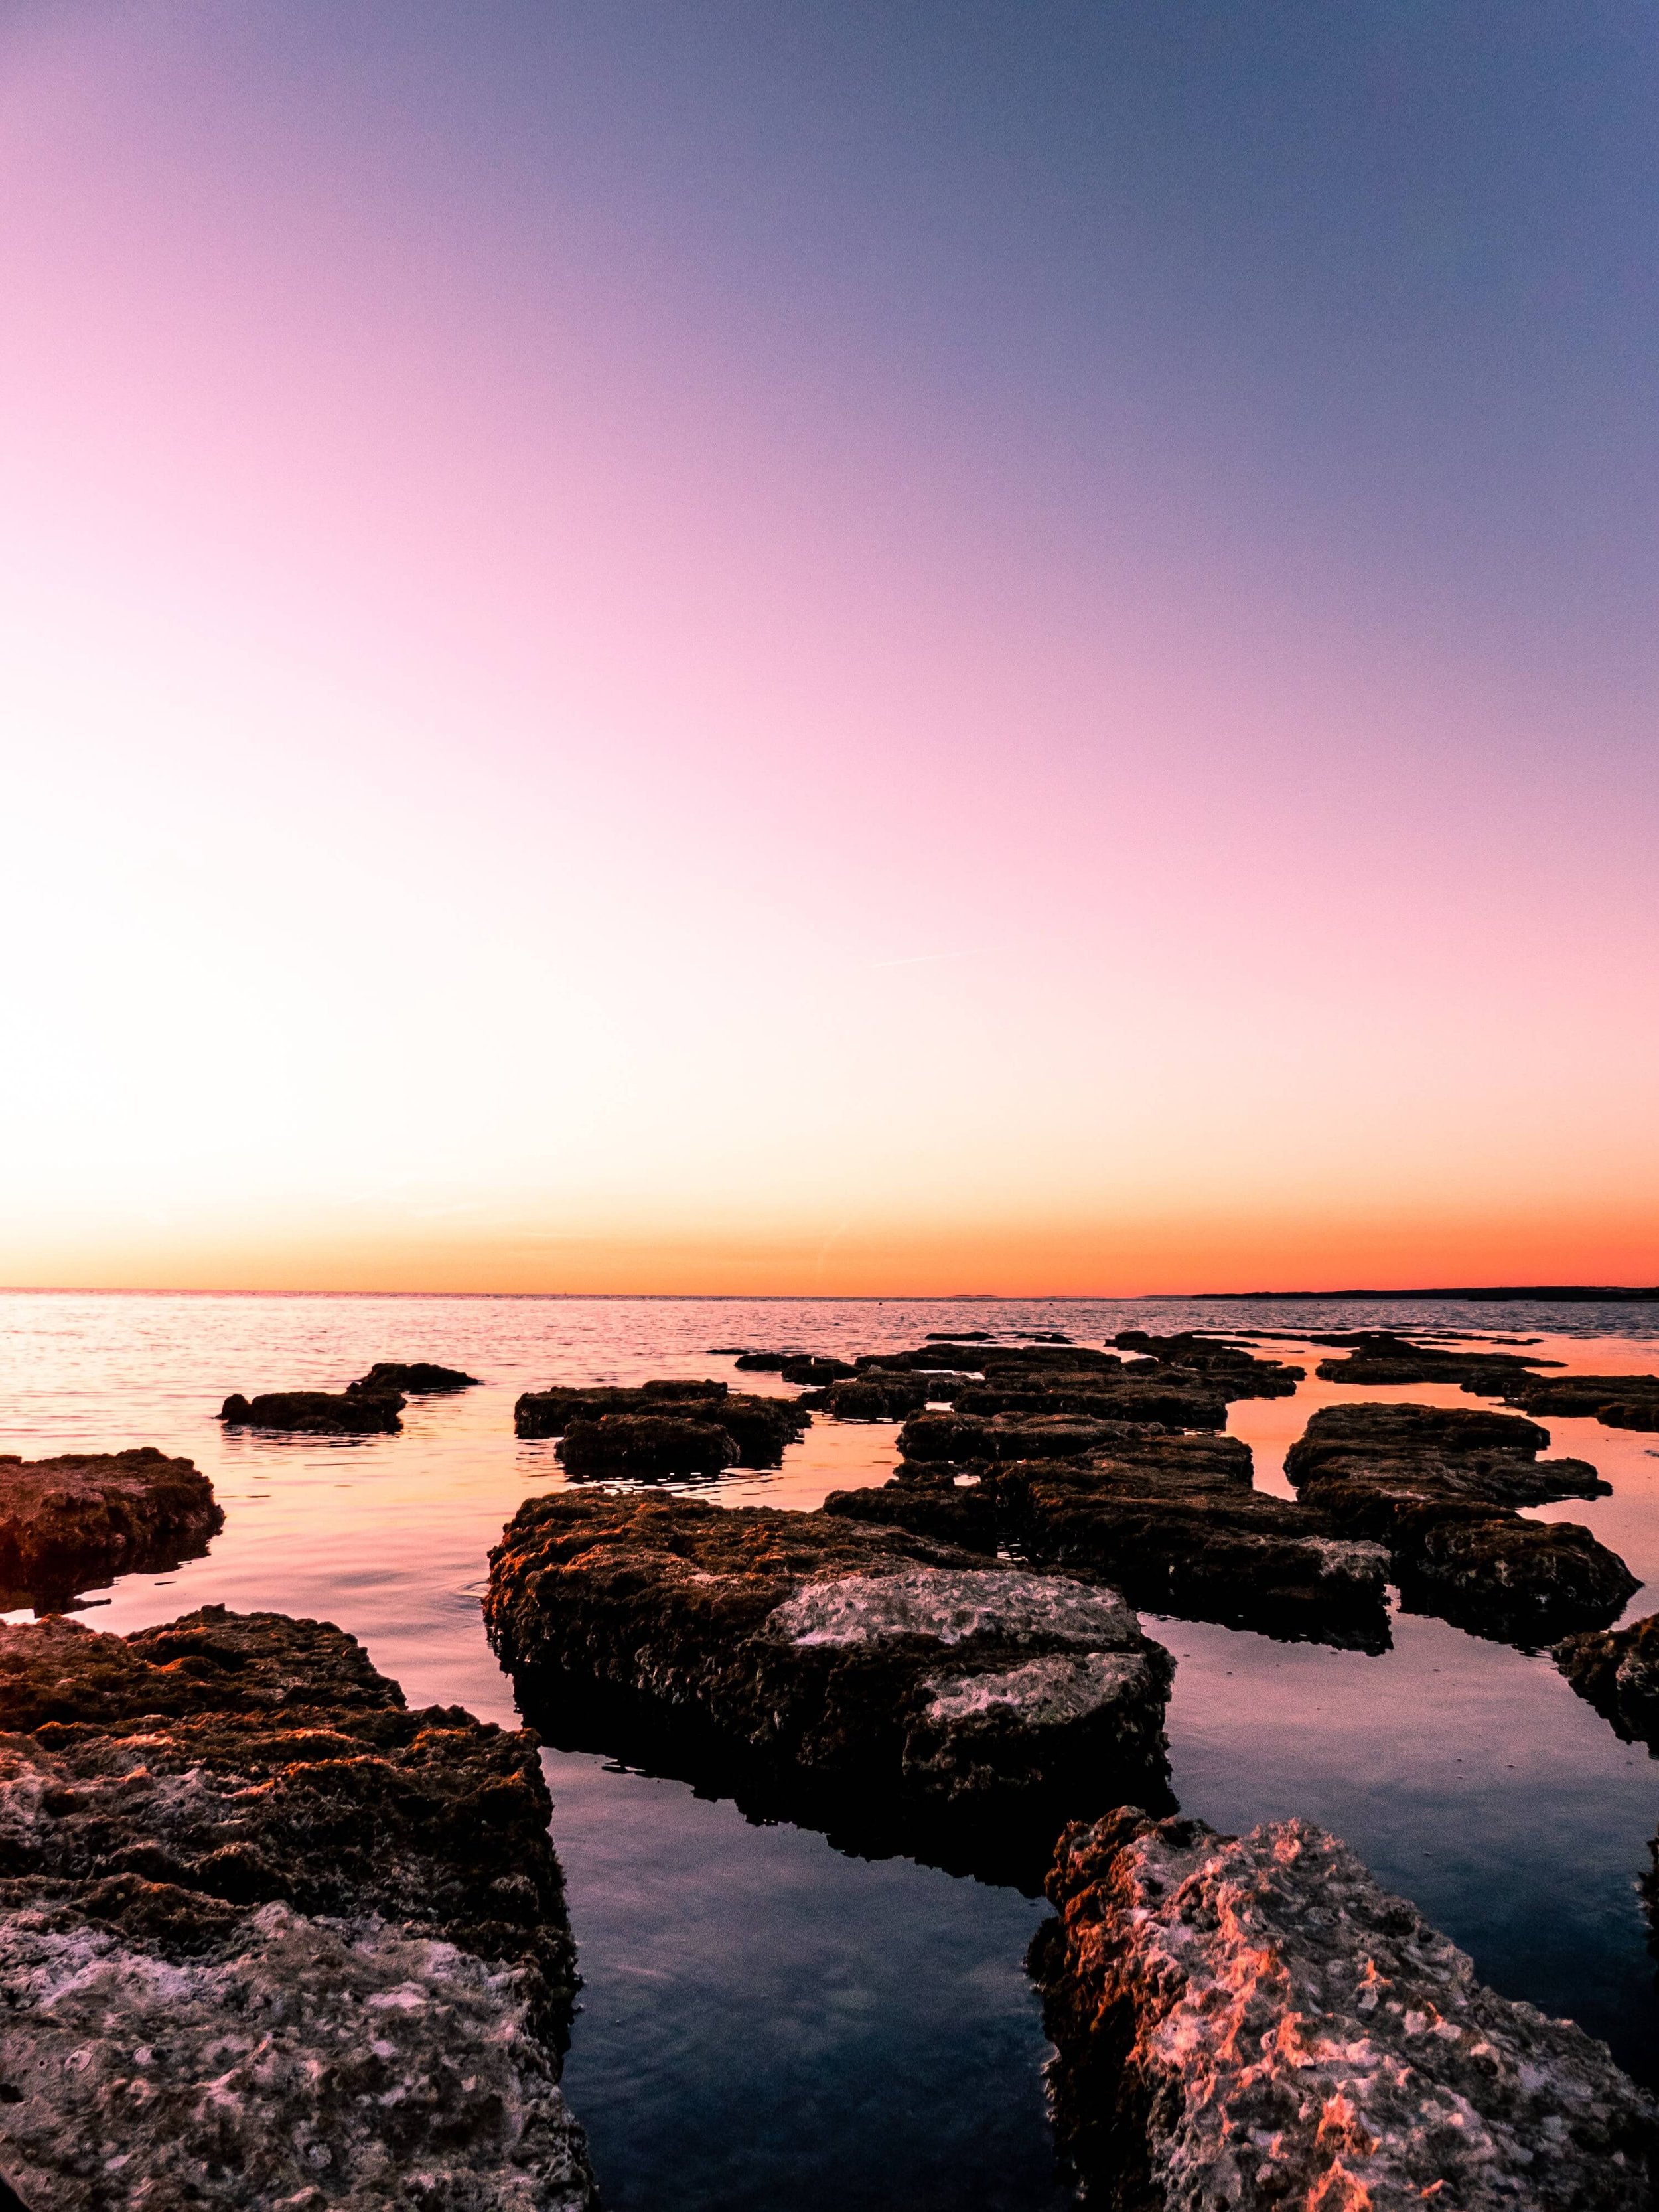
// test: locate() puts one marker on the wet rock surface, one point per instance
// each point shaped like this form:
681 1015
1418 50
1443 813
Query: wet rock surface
316 1413
1617 1670
268 1937
1438 1487
70 1523
418 1377
1173 1522
871 1681
1230 1363
1617 1402
984 1379
1254 2022
601 1427
1380 1355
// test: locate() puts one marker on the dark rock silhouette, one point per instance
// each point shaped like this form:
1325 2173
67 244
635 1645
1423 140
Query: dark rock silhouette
315 1412
260 1924
418 1377
1255 2022
1379 1355
1617 1402
1438 1487
873 1678
761 1429
815 1369
1237 1370
73 1521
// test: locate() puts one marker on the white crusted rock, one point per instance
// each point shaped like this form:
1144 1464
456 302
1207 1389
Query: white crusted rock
1253 2022
958 1606
347 2057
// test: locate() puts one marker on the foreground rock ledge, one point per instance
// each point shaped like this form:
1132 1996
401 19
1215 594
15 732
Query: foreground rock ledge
72 1523
1253 2022
883 1685
268 1938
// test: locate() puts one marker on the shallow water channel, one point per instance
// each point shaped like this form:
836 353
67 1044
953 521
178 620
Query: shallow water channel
764 2019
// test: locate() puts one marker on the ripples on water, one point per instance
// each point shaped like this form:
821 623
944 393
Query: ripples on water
766 2020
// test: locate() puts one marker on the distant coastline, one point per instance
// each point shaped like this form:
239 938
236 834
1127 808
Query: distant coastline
1560 1294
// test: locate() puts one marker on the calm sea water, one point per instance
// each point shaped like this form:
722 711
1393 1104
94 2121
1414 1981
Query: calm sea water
764 2019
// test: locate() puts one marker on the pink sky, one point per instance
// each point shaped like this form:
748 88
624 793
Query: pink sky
528 771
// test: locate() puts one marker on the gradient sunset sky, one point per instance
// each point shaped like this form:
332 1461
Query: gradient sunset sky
829 648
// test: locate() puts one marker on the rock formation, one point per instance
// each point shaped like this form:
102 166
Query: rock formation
595 1422
71 1522
1173 1522
1617 1402
1438 1488
1254 2022
1617 1669
267 1937
872 1681
387 1378
1241 1373
315 1412
1380 1355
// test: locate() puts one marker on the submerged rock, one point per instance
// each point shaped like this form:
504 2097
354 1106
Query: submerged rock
315 1412
760 1429
1254 2022
1173 1522
869 1679
75 1521
267 1937
1438 1487
386 1377
1617 1670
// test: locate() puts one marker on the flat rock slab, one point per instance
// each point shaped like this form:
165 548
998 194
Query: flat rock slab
878 1682
1379 1355
315 1412
1239 1372
1617 1402
624 1429
1253 2023
267 1937
71 1522
1174 1522
1439 1488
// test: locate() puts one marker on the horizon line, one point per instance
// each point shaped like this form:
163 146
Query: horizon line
1555 1293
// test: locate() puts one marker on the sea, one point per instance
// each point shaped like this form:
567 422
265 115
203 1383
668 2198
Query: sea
765 2019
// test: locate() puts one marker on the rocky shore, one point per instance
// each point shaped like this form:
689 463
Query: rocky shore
1173 1522
268 1938
72 1523
878 1684
661 1428
1440 1488
1254 2022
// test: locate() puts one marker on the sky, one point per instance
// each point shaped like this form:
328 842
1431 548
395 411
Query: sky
985 646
